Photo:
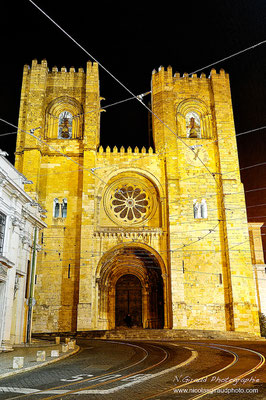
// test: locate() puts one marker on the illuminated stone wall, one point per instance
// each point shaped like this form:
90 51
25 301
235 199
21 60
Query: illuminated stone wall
179 211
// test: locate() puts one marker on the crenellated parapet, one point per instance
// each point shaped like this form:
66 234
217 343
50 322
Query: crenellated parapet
37 68
122 151
40 77
165 77
39 73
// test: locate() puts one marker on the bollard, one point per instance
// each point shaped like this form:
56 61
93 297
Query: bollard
64 348
67 340
18 362
54 353
71 345
40 355
57 340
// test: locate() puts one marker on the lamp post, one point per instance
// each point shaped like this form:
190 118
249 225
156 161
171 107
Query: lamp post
31 300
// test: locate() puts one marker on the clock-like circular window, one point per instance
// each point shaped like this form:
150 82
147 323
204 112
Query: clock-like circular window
129 201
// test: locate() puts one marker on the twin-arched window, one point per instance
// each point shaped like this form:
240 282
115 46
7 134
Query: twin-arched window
200 209
60 209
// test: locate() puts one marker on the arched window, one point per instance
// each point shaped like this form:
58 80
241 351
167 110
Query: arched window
200 209
193 125
65 125
203 207
56 208
196 209
64 208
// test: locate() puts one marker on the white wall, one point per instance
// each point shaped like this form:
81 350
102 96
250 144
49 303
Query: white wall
22 216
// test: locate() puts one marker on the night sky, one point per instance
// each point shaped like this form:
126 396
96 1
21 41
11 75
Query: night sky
130 39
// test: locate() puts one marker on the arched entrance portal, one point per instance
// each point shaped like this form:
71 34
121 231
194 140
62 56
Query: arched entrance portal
132 279
128 300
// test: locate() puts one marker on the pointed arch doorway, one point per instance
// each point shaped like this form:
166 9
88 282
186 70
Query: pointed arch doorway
128 300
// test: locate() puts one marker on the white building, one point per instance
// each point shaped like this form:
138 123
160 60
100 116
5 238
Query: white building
20 217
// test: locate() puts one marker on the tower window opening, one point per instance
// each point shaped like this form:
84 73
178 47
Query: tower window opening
193 125
65 125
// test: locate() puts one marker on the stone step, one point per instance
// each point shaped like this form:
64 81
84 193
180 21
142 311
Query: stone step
156 334
166 334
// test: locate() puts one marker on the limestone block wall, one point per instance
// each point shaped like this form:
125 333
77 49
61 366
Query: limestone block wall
204 166
182 207
55 166
139 167
59 263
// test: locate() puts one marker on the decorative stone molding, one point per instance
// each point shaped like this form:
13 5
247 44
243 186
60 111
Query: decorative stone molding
16 285
128 233
26 241
3 273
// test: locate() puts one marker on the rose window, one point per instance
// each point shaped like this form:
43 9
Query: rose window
129 201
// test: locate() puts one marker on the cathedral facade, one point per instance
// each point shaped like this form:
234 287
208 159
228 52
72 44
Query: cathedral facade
159 234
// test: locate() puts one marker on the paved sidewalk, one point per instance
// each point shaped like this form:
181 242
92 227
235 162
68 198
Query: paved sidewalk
29 352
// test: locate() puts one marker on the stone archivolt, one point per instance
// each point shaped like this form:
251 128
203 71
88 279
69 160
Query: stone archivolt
194 105
53 111
147 267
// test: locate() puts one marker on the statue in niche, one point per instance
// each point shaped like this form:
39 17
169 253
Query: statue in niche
65 125
193 125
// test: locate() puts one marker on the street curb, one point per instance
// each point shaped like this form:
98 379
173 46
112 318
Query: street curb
19 371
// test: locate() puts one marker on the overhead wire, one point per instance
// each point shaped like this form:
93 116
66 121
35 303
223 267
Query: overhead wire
117 80
228 57
120 83
125 86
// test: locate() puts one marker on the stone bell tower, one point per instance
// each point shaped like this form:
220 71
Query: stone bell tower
57 157
212 279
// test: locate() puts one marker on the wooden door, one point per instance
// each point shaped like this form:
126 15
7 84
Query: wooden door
128 300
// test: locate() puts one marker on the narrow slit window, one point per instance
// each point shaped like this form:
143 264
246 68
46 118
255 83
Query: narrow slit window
56 208
64 208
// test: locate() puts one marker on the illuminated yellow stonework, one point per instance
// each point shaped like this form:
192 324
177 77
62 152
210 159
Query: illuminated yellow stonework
161 234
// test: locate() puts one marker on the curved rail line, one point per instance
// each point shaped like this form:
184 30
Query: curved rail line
98 376
210 391
165 357
112 380
258 366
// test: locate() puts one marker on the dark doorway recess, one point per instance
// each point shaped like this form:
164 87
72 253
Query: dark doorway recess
128 300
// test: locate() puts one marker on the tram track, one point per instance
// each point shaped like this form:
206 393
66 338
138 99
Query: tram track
165 356
176 388
158 364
